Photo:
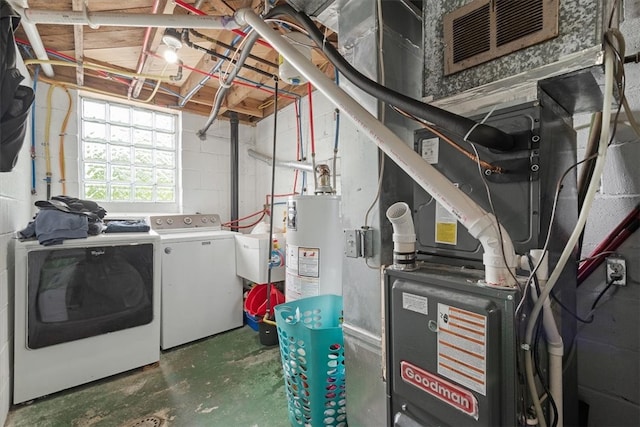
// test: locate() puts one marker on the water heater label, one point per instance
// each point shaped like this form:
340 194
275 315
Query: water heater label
416 303
301 287
309 262
462 347
461 399
446 226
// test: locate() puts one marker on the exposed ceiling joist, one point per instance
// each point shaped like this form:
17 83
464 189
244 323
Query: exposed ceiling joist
78 43
119 48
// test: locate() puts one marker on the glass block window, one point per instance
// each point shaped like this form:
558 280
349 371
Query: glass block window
129 154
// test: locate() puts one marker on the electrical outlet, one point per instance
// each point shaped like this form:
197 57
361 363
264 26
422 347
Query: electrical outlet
617 270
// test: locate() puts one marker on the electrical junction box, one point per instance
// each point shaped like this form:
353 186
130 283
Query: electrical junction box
358 243
252 257
450 350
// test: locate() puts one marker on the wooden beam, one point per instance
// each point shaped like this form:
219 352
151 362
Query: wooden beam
248 106
78 43
205 64
222 7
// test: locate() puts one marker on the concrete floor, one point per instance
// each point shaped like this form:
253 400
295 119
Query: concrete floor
227 380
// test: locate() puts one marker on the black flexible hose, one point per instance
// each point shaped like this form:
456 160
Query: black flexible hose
463 127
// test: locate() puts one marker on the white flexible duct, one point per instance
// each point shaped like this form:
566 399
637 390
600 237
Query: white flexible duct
117 19
480 224
575 235
404 236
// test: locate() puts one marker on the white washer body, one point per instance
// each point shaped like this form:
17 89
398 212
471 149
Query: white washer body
41 371
201 294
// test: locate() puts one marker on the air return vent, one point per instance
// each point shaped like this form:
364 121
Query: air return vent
486 29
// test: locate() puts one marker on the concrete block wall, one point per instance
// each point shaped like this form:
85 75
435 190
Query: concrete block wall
206 167
14 208
608 349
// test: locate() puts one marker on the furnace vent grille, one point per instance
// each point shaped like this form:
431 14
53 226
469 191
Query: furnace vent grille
487 29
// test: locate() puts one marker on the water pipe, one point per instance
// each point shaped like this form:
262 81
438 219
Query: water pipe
497 245
280 163
120 19
312 135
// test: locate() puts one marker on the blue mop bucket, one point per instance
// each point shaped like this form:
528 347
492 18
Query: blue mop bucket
312 351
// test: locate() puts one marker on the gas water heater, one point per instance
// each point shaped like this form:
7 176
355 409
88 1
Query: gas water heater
314 247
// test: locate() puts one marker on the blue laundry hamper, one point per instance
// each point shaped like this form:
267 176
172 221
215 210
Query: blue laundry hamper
312 351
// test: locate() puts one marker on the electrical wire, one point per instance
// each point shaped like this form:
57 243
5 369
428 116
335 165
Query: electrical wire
267 316
569 311
556 197
381 156
601 294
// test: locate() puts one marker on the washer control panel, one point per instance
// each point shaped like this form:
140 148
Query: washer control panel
181 222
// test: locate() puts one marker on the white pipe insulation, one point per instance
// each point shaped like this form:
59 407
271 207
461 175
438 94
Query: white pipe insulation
497 245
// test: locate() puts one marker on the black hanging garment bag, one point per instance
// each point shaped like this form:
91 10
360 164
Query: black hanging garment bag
15 100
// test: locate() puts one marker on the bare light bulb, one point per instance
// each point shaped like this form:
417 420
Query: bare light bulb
170 55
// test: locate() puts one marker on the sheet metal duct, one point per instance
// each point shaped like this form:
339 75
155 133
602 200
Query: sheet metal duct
311 7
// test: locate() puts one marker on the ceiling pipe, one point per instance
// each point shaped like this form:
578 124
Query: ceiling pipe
499 256
196 11
118 19
34 38
305 167
136 84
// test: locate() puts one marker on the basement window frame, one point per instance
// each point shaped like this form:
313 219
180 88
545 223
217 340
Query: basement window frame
157 156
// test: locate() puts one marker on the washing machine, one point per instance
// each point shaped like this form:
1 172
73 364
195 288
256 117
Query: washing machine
201 293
